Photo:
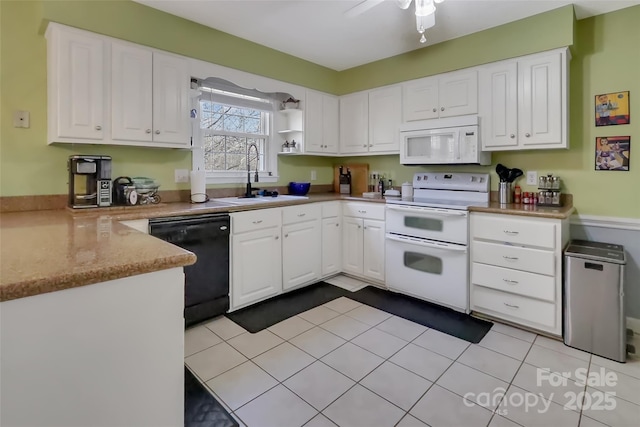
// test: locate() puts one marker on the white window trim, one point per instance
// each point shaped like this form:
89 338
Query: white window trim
231 177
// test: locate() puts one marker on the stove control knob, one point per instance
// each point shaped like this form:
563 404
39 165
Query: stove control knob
418 178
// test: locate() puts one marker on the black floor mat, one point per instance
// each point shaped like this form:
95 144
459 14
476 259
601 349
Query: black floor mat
274 310
425 313
267 313
201 409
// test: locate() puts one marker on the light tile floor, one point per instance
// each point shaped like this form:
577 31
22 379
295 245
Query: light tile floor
351 365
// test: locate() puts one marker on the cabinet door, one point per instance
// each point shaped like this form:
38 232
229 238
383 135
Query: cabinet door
540 100
76 86
313 122
330 124
499 105
170 100
131 92
458 93
301 253
420 99
385 117
352 255
331 246
373 243
256 265
354 118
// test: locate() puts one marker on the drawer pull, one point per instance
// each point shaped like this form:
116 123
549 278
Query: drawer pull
510 258
301 214
512 233
511 305
360 211
257 221
510 282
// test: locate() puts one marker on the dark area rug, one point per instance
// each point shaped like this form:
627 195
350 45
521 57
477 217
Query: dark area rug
274 310
267 313
201 409
425 313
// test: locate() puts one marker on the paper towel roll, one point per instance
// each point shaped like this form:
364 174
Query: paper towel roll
198 186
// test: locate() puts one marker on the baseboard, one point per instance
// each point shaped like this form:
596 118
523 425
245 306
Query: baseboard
634 325
606 222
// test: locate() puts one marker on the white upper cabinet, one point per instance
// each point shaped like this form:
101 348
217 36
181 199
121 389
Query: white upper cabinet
171 82
445 95
321 123
354 123
385 116
523 102
131 92
75 84
105 91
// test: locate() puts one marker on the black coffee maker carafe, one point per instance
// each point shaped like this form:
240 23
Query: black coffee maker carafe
345 181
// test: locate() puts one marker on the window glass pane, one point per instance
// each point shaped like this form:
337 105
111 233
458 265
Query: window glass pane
236 162
420 223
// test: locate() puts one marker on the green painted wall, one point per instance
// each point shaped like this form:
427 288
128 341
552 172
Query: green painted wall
534 34
604 61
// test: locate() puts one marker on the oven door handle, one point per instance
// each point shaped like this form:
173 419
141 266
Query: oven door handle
426 243
426 211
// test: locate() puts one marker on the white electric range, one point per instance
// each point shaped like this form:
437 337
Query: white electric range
427 237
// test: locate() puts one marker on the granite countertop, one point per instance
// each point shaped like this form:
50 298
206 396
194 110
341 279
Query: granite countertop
536 211
52 250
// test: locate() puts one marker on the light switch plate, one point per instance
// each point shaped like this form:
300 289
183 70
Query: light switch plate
532 177
181 175
314 175
21 119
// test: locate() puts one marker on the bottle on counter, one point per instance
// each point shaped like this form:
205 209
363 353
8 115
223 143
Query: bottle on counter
381 185
517 195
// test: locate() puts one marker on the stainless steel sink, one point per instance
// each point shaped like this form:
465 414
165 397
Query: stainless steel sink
257 200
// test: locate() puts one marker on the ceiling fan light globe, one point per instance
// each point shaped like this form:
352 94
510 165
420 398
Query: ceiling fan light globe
404 4
425 7
438 1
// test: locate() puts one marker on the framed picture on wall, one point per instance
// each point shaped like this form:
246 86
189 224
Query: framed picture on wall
612 109
613 153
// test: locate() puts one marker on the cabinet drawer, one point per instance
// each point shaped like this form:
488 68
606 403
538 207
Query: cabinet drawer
502 228
242 222
516 308
294 214
364 210
514 281
330 209
503 255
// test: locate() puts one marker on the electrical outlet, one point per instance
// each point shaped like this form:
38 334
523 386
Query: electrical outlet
314 175
532 177
181 175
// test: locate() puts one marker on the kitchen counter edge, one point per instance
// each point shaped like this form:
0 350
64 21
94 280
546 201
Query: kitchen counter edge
535 211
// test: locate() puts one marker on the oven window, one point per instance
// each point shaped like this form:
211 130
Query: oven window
422 223
423 262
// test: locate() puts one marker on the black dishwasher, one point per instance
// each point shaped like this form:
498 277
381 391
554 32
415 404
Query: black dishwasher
206 292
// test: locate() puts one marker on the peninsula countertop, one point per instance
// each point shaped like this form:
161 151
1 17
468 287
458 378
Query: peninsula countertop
52 250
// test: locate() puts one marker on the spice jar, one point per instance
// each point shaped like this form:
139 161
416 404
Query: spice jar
517 195
526 199
542 182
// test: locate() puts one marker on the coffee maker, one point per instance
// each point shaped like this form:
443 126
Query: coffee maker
89 181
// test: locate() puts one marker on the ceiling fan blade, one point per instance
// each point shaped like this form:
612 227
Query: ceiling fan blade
362 7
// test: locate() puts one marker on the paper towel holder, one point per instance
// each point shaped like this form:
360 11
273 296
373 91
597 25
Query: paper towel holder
200 194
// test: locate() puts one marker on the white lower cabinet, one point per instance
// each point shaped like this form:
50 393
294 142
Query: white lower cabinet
256 256
301 245
331 238
516 269
363 240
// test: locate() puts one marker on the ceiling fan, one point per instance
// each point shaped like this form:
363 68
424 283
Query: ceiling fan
425 12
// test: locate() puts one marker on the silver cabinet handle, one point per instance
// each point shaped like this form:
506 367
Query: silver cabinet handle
510 258
511 232
365 227
157 132
370 145
337 224
359 211
277 237
435 109
510 282
286 235
302 214
148 131
527 135
359 226
365 145
512 136
257 221
98 127
511 305
441 108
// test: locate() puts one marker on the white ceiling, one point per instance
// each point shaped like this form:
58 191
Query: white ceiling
320 32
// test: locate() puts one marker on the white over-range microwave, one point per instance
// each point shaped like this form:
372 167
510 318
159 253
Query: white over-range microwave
450 141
